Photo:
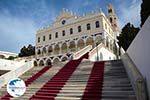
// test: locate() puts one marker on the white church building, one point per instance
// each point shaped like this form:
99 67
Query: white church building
70 33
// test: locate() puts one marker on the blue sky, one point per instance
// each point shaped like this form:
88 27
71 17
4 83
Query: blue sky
20 19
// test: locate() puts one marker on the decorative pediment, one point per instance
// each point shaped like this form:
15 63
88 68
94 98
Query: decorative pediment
65 14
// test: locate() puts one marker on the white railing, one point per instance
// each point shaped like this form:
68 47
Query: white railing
25 58
101 52
122 51
136 78
81 52
9 64
93 51
15 73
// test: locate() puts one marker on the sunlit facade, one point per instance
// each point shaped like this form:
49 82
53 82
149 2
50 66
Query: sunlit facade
70 33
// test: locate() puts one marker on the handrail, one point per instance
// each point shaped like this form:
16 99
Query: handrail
122 51
93 51
9 64
15 73
136 78
81 52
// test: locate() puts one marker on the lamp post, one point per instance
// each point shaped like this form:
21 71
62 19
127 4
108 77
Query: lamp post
97 51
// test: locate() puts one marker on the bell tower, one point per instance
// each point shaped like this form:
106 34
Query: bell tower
112 17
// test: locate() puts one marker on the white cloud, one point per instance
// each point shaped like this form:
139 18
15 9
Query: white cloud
130 13
15 32
43 14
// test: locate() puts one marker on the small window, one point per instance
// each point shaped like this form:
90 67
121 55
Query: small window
71 31
50 36
110 10
88 26
79 28
110 19
43 38
97 24
63 33
39 52
56 35
38 39
63 22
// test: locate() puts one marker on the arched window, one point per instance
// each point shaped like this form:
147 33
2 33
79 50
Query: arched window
71 31
56 35
50 36
110 19
110 11
88 26
38 39
97 24
63 33
79 28
43 38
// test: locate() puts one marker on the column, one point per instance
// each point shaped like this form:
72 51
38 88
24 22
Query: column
60 49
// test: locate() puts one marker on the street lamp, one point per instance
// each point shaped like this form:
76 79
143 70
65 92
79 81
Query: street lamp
97 51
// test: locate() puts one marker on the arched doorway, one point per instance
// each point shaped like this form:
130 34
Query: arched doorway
64 48
56 49
50 50
35 63
41 63
90 41
48 62
80 44
72 46
64 59
56 60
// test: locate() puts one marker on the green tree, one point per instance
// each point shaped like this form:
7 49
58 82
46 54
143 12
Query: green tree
145 10
31 50
127 35
11 58
27 51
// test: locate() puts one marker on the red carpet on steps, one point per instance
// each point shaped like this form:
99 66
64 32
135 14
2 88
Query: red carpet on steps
37 75
28 81
50 90
94 86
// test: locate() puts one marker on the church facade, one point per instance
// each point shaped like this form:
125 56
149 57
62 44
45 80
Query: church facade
70 33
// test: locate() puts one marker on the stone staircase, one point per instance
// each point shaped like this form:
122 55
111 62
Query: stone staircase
37 84
25 76
116 84
75 86
87 81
